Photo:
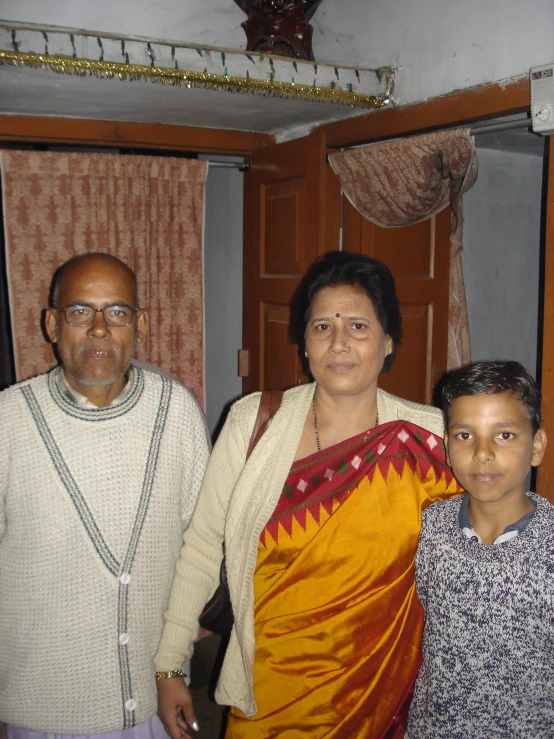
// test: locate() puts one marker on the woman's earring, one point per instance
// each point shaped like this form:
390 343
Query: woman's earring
306 354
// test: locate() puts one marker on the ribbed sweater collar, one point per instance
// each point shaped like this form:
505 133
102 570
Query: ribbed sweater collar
68 406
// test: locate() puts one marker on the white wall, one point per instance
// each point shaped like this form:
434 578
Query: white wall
501 256
211 22
440 45
223 288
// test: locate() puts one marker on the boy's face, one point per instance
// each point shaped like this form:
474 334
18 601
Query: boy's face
490 445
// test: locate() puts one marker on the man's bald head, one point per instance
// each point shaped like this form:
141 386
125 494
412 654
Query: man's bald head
96 355
82 261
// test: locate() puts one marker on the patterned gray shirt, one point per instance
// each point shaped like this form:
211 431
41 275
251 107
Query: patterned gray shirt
488 643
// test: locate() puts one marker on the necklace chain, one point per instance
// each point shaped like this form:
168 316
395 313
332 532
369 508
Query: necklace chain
315 422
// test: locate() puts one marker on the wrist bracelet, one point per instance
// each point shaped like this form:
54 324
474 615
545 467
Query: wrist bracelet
170 674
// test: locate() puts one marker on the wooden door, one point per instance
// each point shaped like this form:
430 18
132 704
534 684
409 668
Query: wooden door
285 227
545 473
294 211
419 258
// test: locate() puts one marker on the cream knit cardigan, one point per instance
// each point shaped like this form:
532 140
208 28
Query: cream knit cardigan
93 504
235 503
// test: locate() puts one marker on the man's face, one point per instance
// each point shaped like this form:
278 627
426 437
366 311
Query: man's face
97 355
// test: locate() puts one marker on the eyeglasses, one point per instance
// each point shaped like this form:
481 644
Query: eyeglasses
83 315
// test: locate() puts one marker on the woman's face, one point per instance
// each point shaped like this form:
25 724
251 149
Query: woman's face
345 342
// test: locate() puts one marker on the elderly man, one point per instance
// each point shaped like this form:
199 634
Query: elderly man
100 467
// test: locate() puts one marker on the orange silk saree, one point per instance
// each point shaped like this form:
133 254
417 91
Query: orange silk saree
337 621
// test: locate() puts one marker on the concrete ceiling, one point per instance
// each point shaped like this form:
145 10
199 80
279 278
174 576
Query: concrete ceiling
27 91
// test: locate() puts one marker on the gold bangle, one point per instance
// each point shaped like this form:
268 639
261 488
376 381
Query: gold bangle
170 674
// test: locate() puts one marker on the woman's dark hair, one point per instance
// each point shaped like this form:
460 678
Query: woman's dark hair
491 378
338 268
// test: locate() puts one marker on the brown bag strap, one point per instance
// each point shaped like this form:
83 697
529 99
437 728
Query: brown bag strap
270 402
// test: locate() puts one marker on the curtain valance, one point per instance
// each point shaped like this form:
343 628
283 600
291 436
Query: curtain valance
405 181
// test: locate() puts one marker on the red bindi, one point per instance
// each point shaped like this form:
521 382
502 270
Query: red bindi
338 315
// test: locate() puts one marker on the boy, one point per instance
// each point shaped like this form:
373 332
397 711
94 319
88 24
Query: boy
485 569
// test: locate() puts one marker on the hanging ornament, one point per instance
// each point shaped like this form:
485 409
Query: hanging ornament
279 28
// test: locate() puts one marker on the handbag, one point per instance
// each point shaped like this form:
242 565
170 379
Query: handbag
217 614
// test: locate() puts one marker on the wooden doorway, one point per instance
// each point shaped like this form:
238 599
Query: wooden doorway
419 258
276 192
545 474
284 233
294 211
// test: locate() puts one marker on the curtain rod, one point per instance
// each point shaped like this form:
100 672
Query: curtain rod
475 130
242 166
505 126
24 146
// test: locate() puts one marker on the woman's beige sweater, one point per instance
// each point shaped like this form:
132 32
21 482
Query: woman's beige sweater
236 501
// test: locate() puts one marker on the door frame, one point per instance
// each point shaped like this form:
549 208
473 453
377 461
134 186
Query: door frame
22 129
457 108
460 109
545 473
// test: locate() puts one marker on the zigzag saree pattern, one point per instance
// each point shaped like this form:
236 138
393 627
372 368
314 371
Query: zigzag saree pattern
318 484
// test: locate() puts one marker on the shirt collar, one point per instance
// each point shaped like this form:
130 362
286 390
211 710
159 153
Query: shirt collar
510 532
83 402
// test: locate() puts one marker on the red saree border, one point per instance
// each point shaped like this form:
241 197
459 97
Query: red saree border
309 485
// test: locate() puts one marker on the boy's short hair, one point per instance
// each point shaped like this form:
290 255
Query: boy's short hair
491 378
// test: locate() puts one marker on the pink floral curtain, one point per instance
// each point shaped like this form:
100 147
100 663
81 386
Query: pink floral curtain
147 211
405 181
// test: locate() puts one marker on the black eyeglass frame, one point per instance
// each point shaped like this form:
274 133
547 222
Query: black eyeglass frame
98 310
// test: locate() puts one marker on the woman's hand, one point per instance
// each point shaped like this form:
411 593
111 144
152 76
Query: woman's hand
174 702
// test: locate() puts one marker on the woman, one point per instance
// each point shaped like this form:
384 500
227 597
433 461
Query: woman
320 529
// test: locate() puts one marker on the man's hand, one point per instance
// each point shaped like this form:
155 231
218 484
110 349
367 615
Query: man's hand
174 702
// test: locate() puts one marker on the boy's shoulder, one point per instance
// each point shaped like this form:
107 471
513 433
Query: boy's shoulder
441 519
439 522
441 511
542 502
544 515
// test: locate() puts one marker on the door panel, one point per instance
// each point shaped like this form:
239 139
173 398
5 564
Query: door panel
284 233
408 252
419 258
294 211
283 371
283 209
412 365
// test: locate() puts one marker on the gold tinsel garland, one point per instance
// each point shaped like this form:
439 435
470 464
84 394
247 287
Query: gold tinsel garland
185 78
